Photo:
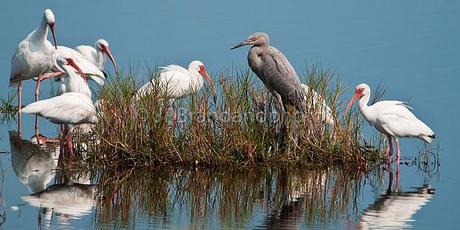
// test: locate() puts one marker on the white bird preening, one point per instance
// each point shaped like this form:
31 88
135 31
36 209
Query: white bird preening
320 104
96 54
177 81
86 66
76 80
391 118
70 108
33 57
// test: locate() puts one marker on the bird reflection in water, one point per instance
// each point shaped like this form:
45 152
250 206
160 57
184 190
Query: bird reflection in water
66 201
34 165
296 193
394 209
70 197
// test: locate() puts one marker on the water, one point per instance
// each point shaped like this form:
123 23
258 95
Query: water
409 46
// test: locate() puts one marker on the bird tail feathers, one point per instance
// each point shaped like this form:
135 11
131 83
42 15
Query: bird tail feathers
35 107
427 139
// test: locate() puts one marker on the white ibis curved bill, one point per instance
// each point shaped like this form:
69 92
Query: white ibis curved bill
33 57
318 104
76 80
96 54
177 81
391 118
70 108
86 66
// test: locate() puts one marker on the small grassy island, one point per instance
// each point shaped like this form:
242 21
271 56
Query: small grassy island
237 126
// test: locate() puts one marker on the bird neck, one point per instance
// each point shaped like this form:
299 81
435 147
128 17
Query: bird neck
41 32
254 57
76 83
100 58
197 81
365 109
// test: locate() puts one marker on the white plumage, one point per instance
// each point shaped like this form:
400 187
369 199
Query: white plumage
68 108
392 118
95 54
87 67
318 104
177 81
65 202
75 80
34 165
395 211
33 57
35 54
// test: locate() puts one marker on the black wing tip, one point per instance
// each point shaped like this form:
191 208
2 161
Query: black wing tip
432 136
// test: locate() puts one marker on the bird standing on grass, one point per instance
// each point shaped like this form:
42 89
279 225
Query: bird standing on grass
278 76
275 71
392 118
33 57
178 82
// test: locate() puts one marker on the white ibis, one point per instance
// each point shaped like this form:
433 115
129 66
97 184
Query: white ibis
391 118
66 109
33 57
76 80
318 104
177 81
95 54
86 66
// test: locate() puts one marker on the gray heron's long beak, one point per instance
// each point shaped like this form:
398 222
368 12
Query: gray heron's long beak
243 43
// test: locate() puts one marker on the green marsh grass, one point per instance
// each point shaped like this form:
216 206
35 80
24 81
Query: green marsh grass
238 126
8 109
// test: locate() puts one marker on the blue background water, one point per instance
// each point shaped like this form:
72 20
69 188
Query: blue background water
411 47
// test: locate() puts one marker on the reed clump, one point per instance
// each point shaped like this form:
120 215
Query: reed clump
240 125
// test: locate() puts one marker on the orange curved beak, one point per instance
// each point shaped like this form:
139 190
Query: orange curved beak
54 34
72 63
106 50
205 74
358 94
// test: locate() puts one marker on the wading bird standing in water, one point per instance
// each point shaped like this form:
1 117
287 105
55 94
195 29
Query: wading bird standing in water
275 71
179 82
95 54
68 109
392 118
33 57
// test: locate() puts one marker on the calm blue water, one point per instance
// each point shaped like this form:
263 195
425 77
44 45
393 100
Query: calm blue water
411 47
